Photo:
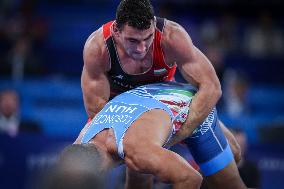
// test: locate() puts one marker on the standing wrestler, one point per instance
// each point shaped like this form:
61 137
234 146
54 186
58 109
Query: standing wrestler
139 48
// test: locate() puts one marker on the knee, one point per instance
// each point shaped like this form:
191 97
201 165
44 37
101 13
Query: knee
198 180
138 160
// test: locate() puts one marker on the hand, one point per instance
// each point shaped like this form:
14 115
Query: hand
179 136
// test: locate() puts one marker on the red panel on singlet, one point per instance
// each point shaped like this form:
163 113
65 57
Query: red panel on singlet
106 29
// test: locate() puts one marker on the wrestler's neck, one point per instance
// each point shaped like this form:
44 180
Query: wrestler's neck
100 140
108 162
105 140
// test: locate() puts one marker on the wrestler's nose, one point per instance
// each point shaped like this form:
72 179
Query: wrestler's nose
141 47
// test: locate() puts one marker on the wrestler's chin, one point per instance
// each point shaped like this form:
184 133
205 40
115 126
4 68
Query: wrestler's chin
138 56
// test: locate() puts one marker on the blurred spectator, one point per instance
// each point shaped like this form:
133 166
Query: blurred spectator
236 87
216 55
264 38
9 108
23 59
213 46
248 170
21 37
229 32
10 121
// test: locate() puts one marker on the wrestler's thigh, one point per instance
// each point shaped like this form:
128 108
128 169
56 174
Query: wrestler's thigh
165 165
152 127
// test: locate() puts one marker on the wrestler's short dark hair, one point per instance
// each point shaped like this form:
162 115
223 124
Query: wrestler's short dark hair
135 13
79 166
87 155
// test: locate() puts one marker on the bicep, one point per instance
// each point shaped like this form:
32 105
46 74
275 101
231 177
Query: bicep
192 63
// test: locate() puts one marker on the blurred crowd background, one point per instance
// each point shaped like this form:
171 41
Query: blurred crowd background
41 105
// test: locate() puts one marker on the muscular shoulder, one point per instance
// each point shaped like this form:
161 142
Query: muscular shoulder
176 42
95 53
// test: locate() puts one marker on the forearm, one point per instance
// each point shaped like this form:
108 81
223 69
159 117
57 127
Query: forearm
202 104
96 94
200 107
94 105
93 101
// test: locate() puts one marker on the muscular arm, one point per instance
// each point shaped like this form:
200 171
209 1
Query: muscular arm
197 70
94 81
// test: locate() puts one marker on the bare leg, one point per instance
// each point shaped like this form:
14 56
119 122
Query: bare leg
167 166
144 153
226 178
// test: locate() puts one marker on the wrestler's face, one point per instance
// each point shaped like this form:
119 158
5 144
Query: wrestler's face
136 42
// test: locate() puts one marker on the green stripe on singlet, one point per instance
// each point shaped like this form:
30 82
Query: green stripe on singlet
183 92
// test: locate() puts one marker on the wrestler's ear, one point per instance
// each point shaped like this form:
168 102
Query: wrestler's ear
115 29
